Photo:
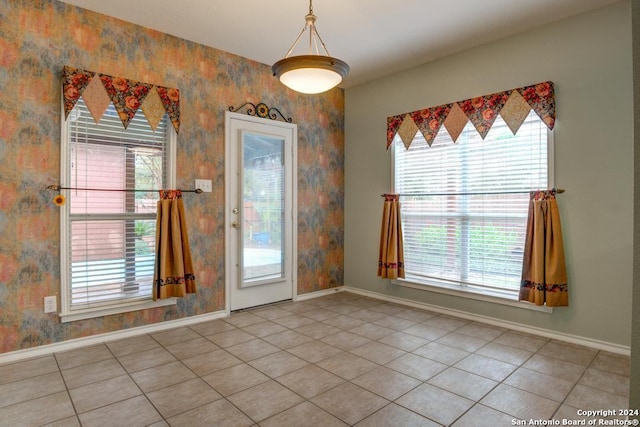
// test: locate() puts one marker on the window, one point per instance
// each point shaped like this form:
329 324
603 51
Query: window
108 237
464 205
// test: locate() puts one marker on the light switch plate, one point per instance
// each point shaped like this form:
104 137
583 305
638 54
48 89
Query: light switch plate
204 185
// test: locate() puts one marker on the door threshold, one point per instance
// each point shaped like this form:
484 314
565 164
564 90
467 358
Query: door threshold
240 310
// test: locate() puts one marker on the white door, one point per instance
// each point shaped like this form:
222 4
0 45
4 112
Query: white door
260 210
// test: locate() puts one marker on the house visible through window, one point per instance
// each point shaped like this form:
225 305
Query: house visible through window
108 249
464 205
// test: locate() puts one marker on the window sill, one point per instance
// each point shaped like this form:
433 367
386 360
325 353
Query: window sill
486 296
91 313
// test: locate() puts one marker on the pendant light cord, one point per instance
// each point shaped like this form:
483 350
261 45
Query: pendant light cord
310 20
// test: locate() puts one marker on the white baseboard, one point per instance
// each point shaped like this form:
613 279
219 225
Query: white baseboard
109 336
72 344
318 294
157 327
573 339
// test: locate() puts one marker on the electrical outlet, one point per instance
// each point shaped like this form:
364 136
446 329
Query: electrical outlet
204 185
50 304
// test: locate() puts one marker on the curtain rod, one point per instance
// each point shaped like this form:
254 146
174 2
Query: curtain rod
57 187
554 190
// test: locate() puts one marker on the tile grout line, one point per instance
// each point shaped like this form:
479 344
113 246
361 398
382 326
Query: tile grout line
66 388
575 385
225 398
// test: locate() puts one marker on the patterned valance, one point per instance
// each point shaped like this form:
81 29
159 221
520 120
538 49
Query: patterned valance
127 96
513 105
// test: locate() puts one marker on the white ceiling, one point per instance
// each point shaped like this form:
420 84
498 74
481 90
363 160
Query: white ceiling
375 37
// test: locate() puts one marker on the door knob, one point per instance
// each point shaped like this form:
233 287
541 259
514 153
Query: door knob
235 224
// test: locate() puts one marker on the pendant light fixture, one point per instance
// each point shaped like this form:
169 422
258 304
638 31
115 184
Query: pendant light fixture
312 73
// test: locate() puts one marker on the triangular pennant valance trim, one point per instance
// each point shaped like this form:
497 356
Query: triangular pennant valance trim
513 105
126 95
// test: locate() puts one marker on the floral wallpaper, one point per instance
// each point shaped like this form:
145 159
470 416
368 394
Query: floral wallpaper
37 39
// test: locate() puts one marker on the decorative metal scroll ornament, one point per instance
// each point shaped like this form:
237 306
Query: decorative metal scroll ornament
261 110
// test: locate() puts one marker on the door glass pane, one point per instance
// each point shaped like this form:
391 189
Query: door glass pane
263 209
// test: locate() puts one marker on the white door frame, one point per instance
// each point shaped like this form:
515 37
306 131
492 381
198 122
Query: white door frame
229 217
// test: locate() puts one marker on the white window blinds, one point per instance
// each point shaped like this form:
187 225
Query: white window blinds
464 205
111 234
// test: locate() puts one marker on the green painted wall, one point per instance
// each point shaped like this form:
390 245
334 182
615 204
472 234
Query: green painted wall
589 59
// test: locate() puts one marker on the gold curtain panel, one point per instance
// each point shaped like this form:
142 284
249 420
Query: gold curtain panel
174 274
391 255
544 273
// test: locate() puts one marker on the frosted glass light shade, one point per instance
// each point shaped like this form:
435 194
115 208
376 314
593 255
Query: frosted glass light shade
310 73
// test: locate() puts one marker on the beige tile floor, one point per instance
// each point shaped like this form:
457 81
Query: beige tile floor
337 360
